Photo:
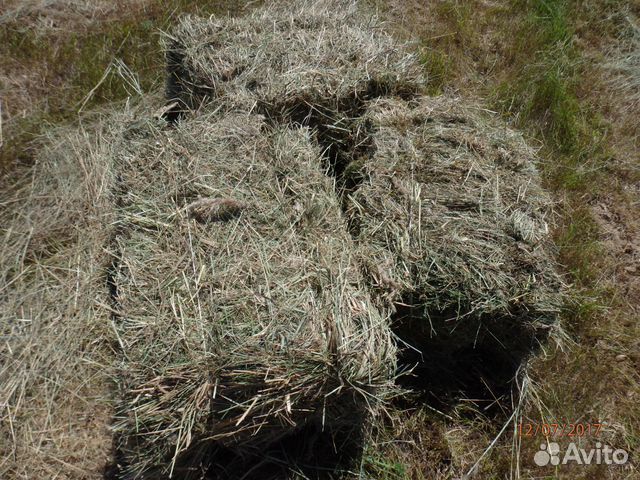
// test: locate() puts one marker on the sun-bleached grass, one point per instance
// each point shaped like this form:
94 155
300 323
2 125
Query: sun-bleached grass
627 62
56 51
450 212
323 55
55 320
237 330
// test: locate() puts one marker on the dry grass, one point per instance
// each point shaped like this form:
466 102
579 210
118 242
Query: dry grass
170 263
317 57
627 62
241 331
225 64
56 51
453 228
542 64
449 211
55 323
47 15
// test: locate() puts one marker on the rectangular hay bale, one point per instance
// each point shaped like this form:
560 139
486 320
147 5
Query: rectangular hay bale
242 314
55 321
449 214
290 59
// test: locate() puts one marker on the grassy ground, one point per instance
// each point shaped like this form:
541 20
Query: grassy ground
557 69
62 57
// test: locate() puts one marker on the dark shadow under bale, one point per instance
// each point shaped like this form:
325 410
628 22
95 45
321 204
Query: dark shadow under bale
473 363
310 452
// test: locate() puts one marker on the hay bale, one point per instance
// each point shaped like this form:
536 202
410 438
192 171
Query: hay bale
240 331
234 296
55 325
289 59
450 217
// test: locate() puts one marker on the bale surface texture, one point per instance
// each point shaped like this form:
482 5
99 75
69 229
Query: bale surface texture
55 321
289 58
237 330
449 213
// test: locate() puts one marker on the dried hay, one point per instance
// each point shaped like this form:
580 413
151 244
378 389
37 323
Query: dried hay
44 16
239 331
450 217
55 329
289 59
626 62
233 294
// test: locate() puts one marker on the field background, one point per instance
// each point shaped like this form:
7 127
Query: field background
565 72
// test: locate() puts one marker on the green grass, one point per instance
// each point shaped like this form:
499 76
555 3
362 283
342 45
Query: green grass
72 64
381 468
437 67
547 93
73 68
541 95
458 16
542 92
579 246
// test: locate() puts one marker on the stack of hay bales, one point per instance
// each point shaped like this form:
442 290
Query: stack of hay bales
477 245
55 323
450 217
242 314
255 282
233 310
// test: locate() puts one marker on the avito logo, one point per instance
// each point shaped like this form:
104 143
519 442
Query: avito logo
549 454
